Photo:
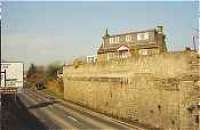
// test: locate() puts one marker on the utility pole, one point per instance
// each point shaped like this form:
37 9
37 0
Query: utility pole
194 43
196 40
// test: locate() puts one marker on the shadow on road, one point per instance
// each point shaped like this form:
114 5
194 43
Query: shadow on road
44 104
15 115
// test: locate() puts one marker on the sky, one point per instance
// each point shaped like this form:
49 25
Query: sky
46 32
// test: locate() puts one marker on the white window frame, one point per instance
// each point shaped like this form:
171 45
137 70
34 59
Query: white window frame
143 52
108 56
117 39
142 36
111 40
146 35
128 38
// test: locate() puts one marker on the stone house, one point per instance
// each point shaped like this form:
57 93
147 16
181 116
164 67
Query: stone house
120 46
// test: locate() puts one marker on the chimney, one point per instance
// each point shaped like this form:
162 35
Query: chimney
159 29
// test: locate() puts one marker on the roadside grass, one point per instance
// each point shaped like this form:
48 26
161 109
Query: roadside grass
54 88
52 92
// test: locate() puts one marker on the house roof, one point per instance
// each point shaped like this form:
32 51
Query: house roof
114 48
142 31
123 47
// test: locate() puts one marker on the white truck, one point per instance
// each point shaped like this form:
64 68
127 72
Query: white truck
12 75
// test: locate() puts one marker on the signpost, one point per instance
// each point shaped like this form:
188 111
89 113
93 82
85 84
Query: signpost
12 75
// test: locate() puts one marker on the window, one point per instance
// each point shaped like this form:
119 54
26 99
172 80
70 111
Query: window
117 39
143 52
114 40
123 54
146 35
143 36
108 56
197 119
128 38
111 40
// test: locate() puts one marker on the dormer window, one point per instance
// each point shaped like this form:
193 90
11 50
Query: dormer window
111 40
143 36
117 39
114 40
128 38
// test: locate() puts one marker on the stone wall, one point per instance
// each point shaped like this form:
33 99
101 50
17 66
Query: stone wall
158 91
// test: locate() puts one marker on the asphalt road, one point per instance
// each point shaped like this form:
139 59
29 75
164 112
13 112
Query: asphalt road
35 110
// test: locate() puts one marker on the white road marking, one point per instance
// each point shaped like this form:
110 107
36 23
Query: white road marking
52 116
72 118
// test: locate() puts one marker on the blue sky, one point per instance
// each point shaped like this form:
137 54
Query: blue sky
44 32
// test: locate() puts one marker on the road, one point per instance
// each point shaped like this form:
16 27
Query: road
35 110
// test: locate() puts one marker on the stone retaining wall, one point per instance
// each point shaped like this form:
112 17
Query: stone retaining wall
138 96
